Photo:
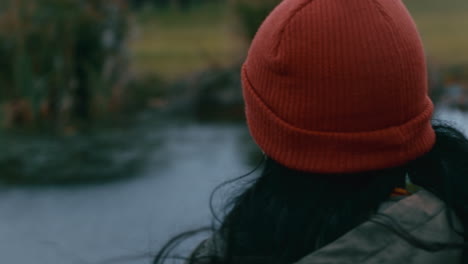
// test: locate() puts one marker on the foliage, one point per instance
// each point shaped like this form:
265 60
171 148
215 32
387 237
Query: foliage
182 4
251 14
60 58
105 151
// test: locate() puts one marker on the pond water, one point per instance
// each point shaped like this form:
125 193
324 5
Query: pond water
127 220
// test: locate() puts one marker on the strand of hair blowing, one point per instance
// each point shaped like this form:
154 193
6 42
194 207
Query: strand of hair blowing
285 214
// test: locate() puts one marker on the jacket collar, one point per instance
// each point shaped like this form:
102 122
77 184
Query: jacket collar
422 215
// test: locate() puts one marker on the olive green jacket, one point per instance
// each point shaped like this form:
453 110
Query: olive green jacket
422 215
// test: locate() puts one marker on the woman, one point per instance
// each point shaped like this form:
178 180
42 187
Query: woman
336 97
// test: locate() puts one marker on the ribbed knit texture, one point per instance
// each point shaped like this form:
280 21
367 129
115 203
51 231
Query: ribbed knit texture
338 86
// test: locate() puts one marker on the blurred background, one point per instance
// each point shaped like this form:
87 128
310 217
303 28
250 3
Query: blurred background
119 117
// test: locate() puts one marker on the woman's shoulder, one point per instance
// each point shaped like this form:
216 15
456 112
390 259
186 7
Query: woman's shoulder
421 216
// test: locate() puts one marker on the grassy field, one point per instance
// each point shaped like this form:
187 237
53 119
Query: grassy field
444 28
172 43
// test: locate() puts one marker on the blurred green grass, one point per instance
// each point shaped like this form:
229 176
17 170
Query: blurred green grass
172 43
444 28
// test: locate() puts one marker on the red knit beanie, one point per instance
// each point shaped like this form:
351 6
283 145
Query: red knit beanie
338 86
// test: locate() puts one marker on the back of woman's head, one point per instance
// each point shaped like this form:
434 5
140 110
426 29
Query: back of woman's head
333 86
336 97
286 214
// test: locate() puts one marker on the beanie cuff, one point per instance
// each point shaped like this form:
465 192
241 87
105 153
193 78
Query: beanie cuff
336 152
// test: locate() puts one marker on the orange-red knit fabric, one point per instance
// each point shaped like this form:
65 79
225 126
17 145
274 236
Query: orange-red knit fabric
338 86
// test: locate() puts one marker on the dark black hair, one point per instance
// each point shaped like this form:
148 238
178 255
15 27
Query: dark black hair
285 214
